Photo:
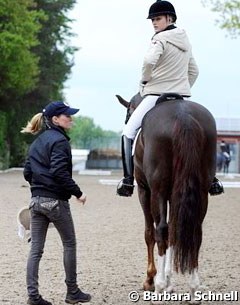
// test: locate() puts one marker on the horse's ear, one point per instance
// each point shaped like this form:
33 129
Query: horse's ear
122 101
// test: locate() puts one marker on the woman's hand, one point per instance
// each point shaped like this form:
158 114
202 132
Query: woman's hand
82 199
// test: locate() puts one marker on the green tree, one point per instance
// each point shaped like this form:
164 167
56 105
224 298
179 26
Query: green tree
19 24
229 15
55 59
48 44
83 131
85 134
55 52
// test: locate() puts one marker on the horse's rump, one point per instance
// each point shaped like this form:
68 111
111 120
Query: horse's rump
177 126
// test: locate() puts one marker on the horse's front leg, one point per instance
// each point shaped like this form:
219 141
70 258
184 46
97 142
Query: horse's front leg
151 269
163 280
169 270
160 280
144 197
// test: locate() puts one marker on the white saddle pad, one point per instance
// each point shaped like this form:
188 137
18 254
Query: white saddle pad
135 141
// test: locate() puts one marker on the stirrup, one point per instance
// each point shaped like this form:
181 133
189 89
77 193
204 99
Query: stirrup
125 188
216 188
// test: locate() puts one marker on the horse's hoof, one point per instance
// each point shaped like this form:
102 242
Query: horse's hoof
148 287
170 289
160 287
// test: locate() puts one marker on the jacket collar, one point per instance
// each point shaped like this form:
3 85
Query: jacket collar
168 28
50 125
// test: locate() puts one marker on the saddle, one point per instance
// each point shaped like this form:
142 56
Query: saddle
165 97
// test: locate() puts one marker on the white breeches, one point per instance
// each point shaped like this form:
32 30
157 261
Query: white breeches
135 121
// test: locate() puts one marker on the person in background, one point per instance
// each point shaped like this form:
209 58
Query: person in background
225 149
169 66
48 169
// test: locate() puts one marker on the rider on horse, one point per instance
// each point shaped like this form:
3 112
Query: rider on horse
168 66
225 149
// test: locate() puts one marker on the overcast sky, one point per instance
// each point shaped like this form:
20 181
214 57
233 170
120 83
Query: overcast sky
113 37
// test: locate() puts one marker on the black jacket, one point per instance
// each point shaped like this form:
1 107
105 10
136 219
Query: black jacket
48 167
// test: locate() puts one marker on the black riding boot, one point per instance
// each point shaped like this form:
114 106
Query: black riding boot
126 185
216 188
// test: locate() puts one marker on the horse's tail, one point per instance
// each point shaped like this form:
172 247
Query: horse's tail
185 227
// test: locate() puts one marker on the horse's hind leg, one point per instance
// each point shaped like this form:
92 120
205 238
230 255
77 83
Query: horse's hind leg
194 281
144 196
194 284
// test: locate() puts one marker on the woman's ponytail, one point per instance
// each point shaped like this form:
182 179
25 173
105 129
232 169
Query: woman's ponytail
34 125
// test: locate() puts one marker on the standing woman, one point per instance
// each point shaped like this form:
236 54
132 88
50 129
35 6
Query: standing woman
48 169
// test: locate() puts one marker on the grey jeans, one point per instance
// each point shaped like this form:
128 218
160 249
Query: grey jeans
43 211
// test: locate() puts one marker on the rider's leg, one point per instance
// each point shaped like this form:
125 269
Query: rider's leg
126 185
216 187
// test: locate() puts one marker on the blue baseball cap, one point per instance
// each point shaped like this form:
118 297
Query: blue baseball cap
57 108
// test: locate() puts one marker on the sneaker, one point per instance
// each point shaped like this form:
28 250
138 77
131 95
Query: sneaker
78 296
39 301
125 187
216 188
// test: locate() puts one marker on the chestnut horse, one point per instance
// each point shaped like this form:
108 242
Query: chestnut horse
174 165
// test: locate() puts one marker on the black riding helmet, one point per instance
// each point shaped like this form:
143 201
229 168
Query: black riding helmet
162 8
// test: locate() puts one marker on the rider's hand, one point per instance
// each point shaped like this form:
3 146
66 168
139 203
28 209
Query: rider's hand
82 199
